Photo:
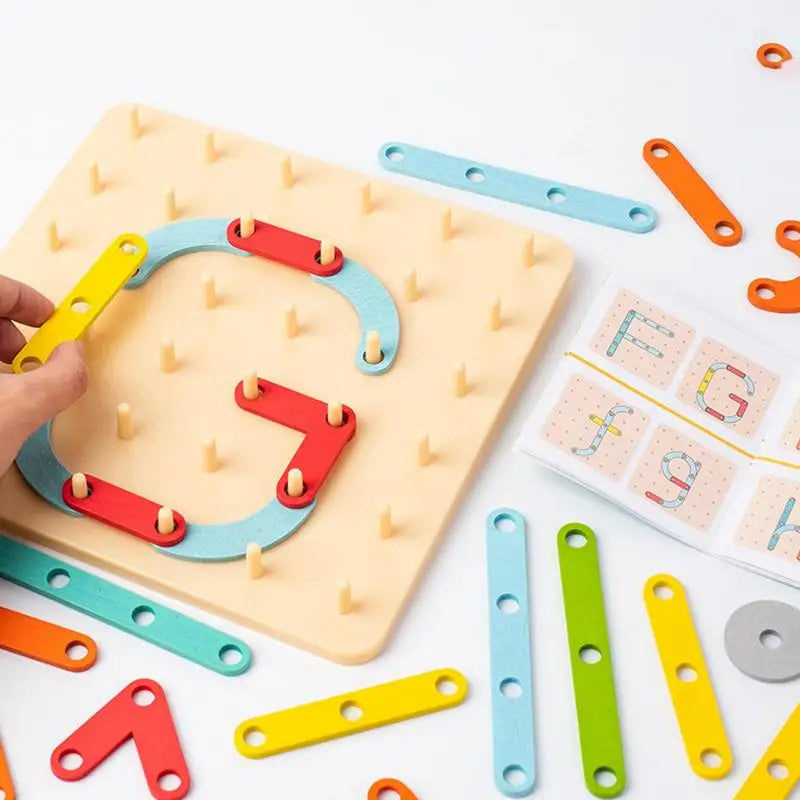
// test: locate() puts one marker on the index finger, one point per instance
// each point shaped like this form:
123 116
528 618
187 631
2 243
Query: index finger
22 303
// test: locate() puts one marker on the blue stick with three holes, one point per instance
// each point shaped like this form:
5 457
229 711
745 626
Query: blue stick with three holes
517 187
510 644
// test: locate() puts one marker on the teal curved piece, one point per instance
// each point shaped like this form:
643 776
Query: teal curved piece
45 474
228 541
179 239
41 469
375 308
368 296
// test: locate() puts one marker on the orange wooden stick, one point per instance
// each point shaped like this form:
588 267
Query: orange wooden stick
692 192
6 784
44 641
769 294
389 785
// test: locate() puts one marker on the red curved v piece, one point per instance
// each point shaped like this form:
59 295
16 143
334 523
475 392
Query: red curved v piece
122 718
322 445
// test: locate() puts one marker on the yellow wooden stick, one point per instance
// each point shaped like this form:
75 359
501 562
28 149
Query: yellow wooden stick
778 770
345 714
83 305
699 718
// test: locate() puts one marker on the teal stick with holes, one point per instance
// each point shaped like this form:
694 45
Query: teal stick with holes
517 187
590 658
119 607
510 648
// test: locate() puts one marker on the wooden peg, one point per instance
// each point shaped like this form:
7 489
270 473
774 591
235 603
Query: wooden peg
210 147
335 414
170 206
80 486
385 526
460 380
447 223
327 252
345 598
53 241
366 198
495 315
95 184
373 353
410 287
168 362
210 459
166 520
255 564
209 292
247 225
135 124
424 450
250 386
291 326
295 485
124 421
527 251
287 178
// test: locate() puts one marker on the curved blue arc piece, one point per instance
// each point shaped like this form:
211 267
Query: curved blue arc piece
368 296
517 187
179 239
228 541
45 474
41 469
375 308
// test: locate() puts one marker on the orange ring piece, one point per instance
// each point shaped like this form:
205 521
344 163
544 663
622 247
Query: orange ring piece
44 641
770 49
390 785
692 192
6 783
769 294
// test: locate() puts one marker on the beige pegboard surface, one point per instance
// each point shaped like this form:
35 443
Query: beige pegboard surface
296 599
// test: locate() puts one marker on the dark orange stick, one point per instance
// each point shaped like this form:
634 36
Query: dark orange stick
44 641
769 294
6 784
390 785
692 192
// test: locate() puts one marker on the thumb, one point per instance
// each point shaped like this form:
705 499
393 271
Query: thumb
40 394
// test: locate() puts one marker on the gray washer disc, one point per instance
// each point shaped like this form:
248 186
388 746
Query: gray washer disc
743 643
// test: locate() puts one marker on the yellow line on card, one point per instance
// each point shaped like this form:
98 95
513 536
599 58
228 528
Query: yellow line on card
598 421
351 713
778 771
664 407
689 683
81 307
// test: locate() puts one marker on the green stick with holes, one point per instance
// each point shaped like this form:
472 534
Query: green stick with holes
590 657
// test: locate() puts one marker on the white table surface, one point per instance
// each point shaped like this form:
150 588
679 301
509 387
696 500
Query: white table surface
565 90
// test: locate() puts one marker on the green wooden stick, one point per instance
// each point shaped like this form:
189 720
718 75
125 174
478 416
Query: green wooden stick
590 656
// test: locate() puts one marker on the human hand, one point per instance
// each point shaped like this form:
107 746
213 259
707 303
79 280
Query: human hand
28 400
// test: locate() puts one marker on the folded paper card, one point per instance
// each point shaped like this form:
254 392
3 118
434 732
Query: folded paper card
683 420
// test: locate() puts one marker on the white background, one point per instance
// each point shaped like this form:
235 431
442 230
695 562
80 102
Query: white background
568 90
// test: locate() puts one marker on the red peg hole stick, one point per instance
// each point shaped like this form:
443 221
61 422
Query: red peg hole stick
139 712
